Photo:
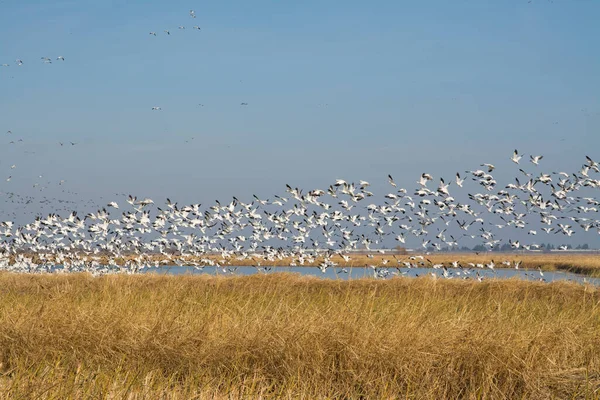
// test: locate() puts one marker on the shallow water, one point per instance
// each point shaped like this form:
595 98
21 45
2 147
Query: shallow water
385 273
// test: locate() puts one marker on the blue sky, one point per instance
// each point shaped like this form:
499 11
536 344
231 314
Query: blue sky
353 90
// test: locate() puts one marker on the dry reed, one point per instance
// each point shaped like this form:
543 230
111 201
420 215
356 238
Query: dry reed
285 336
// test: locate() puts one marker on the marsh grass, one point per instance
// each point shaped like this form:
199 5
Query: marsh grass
286 336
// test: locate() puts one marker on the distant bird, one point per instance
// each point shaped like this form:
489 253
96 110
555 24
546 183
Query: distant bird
153 33
244 104
443 187
591 163
459 181
167 32
19 62
516 157
391 181
197 27
536 159
181 27
192 14
490 167
156 109
60 58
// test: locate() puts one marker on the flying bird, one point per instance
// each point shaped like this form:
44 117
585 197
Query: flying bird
391 181
516 157
536 159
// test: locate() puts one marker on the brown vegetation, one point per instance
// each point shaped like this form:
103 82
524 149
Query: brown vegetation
285 336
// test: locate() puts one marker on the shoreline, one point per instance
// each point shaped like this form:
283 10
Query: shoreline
577 263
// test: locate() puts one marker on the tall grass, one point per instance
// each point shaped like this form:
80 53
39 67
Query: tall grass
285 336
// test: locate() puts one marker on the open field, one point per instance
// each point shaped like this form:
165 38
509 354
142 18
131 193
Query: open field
283 336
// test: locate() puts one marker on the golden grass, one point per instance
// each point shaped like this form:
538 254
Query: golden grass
285 336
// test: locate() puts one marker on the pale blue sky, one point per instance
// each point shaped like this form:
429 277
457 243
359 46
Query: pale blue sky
436 86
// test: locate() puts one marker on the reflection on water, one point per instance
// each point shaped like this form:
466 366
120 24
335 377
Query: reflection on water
385 273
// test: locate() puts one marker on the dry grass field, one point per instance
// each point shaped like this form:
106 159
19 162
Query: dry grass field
285 336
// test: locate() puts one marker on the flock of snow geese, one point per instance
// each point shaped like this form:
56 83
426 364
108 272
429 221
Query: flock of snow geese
48 60
45 60
302 227
168 32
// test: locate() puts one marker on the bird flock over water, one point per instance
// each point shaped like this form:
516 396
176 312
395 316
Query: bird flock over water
303 226
316 225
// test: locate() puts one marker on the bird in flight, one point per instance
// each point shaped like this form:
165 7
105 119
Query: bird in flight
516 157
536 159
391 180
